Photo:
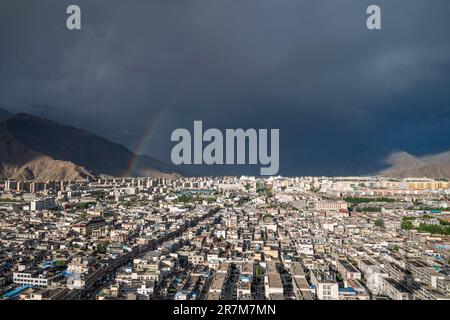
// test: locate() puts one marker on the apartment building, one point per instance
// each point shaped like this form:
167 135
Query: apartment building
325 285
395 290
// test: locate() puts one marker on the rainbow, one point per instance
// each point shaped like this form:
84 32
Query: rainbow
150 129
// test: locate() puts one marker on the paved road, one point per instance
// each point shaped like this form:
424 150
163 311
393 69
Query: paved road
110 271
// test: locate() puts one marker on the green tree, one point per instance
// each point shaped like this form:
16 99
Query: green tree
434 229
258 271
379 223
102 247
407 225
60 263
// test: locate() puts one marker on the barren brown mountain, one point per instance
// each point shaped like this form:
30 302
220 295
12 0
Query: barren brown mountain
403 164
34 148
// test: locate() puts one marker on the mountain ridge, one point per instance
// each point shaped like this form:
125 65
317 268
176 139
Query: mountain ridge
35 148
403 164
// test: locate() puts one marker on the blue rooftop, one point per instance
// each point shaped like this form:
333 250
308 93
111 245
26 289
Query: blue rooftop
347 290
16 292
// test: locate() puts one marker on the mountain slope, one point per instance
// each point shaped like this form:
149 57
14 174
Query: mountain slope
35 148
403 164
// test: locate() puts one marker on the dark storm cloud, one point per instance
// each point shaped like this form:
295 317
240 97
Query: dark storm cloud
342 96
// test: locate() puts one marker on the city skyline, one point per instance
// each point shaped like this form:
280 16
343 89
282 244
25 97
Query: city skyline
227 158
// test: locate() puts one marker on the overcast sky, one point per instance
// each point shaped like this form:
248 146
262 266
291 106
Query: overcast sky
342 96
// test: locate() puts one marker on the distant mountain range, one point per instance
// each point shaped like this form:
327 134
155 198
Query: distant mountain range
403 164
35 148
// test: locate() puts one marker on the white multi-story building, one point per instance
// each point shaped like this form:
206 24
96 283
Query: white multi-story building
325 286
36 277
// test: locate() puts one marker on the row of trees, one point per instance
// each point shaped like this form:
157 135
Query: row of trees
357 201
184 198
442 228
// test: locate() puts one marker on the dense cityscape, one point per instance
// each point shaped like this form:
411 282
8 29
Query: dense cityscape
229 238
